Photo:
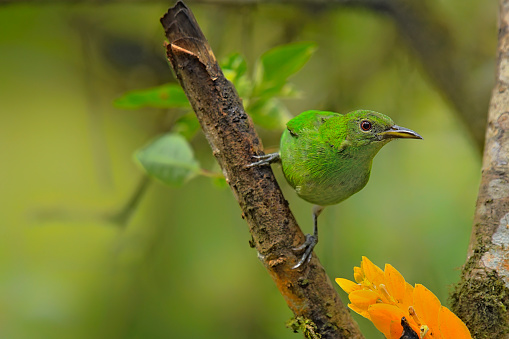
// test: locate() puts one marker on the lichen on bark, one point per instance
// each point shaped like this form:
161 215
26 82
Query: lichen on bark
481 299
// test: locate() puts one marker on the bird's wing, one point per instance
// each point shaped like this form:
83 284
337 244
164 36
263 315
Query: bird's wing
308 121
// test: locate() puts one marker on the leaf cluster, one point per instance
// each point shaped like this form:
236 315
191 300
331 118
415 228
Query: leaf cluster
170 158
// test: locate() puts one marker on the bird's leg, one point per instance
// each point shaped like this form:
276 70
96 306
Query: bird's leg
311 239
265 159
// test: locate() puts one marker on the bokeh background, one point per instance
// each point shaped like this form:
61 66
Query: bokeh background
91 248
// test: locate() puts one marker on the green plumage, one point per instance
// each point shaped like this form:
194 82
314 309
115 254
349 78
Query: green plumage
326 157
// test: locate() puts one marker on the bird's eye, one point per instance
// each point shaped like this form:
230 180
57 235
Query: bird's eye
365 125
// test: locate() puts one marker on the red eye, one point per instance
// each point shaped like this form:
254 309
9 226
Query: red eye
365 125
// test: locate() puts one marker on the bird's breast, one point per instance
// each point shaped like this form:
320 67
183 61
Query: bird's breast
330 189
325 180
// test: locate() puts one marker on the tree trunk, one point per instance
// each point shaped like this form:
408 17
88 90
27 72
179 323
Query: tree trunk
481 298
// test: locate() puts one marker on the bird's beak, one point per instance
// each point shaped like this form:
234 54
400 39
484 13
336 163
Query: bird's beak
399 132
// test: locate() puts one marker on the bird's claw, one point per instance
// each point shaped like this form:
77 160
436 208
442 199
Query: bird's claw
307 246
265 159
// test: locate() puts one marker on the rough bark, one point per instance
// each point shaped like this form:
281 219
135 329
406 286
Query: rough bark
308 291
481 298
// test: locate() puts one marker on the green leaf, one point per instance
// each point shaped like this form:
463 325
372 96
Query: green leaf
278 64
289 91
187 125
235 64
219 182
164 96
169 159
270 114
234 69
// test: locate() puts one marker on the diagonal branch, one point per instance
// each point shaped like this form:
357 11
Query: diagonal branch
308 292
481 298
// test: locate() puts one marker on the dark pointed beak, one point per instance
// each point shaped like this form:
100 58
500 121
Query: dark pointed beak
399 132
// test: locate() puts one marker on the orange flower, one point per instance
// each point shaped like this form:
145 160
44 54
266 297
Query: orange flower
384 297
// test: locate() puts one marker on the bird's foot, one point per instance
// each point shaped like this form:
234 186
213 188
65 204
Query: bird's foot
265 159
307 246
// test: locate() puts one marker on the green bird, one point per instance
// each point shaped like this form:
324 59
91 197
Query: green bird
326 157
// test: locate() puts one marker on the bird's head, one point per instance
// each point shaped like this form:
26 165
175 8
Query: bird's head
373 128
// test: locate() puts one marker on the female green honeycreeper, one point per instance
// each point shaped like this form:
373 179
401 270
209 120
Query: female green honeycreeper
326 157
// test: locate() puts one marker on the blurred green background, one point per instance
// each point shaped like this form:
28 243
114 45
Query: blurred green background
91 249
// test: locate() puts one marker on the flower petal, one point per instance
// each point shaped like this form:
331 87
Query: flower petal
387 319
395 283
363 298
372 272
358 275
408 300
451 326
426 306
360 311
385 295
347 285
